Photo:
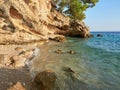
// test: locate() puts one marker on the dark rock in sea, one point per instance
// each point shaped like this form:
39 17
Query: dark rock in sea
71 52
59 51
51 80
68 69
44 81
72 81
99 35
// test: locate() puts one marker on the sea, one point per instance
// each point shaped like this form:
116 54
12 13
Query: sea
96 59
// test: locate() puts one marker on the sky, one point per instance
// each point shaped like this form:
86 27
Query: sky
105 16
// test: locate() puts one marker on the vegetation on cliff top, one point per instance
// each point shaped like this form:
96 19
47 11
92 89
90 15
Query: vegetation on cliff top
75 8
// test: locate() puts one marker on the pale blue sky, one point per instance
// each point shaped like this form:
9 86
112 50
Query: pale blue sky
105 16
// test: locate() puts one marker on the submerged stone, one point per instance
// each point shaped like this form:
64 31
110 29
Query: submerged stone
44 81
71 52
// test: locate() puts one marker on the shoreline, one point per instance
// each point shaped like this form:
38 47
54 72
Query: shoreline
14 69
27 75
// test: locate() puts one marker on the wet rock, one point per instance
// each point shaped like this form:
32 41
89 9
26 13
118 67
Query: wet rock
68 69
71 52
99 35
59 51
44 81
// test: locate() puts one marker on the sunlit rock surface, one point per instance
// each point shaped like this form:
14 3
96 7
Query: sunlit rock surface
35 20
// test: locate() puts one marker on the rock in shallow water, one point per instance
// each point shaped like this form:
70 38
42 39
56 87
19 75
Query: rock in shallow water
44 81
59 51
71 52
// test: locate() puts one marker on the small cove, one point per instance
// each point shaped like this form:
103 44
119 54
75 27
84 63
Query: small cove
96 68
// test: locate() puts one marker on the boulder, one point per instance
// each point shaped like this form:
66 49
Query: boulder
44 81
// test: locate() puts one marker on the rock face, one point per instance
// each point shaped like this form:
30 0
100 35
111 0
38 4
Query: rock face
34 20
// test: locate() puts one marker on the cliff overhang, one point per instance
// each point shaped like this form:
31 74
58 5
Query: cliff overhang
23 21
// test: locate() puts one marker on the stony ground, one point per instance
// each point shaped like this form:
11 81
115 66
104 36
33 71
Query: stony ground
14 74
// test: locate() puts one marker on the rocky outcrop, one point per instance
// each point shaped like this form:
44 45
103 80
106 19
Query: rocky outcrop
51 80
44 81
19 57
76 28
35 20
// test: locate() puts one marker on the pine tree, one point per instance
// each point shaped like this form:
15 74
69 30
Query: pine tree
75 8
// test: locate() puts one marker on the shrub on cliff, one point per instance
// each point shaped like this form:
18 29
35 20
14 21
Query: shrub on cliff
75 8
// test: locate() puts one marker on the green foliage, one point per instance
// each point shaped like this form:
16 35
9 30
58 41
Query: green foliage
75 8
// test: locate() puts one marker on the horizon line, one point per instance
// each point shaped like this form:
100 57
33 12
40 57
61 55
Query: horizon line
104 30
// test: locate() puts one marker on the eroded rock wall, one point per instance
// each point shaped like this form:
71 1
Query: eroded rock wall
34 20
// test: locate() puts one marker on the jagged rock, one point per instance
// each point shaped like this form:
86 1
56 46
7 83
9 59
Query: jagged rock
58 39
22 57
44 81
79 29
17 61
35 20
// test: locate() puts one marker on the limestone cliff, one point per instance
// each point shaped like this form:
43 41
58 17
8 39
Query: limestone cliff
34 20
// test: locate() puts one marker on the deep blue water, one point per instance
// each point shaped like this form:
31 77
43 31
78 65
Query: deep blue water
110 41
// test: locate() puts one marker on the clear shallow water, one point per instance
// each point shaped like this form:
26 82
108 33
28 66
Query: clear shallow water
97 60
101 59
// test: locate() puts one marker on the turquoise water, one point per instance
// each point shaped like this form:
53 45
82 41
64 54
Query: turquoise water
96 62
